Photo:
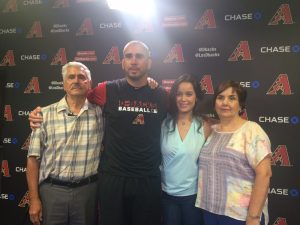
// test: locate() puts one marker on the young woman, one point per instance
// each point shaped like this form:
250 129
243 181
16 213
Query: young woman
234 164
183 134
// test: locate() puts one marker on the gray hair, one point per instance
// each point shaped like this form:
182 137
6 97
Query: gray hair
75 64
137 42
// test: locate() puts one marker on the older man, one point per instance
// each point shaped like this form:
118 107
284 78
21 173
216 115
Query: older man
130 184
63 156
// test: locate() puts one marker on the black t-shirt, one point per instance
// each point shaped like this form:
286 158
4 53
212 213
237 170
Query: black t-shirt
133 120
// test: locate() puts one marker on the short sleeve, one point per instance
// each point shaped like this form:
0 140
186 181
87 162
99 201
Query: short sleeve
258 144
35 145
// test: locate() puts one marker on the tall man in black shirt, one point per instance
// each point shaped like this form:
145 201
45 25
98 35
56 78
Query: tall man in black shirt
130 185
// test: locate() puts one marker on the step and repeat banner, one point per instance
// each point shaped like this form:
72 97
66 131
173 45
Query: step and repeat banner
254 42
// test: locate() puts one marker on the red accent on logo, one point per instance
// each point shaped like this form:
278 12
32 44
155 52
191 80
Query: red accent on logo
61 4
11 6
206 85
5 168
60 58
167 84
139 120
175 54
8 59
35 30
113 56
282 14
25 200
86 56
175 21
7 113
207 19
281 155
33 86
86 28
282 85
280 221
242 50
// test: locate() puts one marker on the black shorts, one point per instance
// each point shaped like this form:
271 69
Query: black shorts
129 201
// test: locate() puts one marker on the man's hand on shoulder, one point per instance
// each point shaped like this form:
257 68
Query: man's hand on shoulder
152 83
35 118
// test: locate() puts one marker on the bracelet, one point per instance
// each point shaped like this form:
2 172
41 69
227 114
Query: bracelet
253 217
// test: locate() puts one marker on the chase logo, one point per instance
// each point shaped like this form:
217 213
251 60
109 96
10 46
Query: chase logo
20 169
250 84
8 140
279 119
34 2
293 192
243 16
12 30
10 197
110 25
280 49
23 113
13 85
34 57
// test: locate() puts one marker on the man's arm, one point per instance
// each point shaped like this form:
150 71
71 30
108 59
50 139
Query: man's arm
98 94
32 175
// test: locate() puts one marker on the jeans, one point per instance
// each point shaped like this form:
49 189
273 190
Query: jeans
181 210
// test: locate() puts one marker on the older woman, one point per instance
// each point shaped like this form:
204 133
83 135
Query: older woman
234 164
183 134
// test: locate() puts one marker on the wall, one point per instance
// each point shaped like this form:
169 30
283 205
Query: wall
254 42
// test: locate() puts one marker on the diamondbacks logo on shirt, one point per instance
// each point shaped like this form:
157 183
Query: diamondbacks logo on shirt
61 4
11 6
137 106
5 168
283 14
281 157
206 85
175 54
139 120
280 221
7 113
206 20
86 28
281 85
24 201
25 146
60 58
113 56
33 86
8 59
35 30
242 52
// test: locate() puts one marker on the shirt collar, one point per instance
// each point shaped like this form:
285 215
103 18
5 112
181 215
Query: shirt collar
63 105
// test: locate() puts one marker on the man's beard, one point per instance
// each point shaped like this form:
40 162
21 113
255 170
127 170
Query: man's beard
138 77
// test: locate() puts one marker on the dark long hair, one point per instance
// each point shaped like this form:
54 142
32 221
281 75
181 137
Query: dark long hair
173 110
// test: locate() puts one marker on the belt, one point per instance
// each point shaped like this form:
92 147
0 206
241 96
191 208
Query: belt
72 184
